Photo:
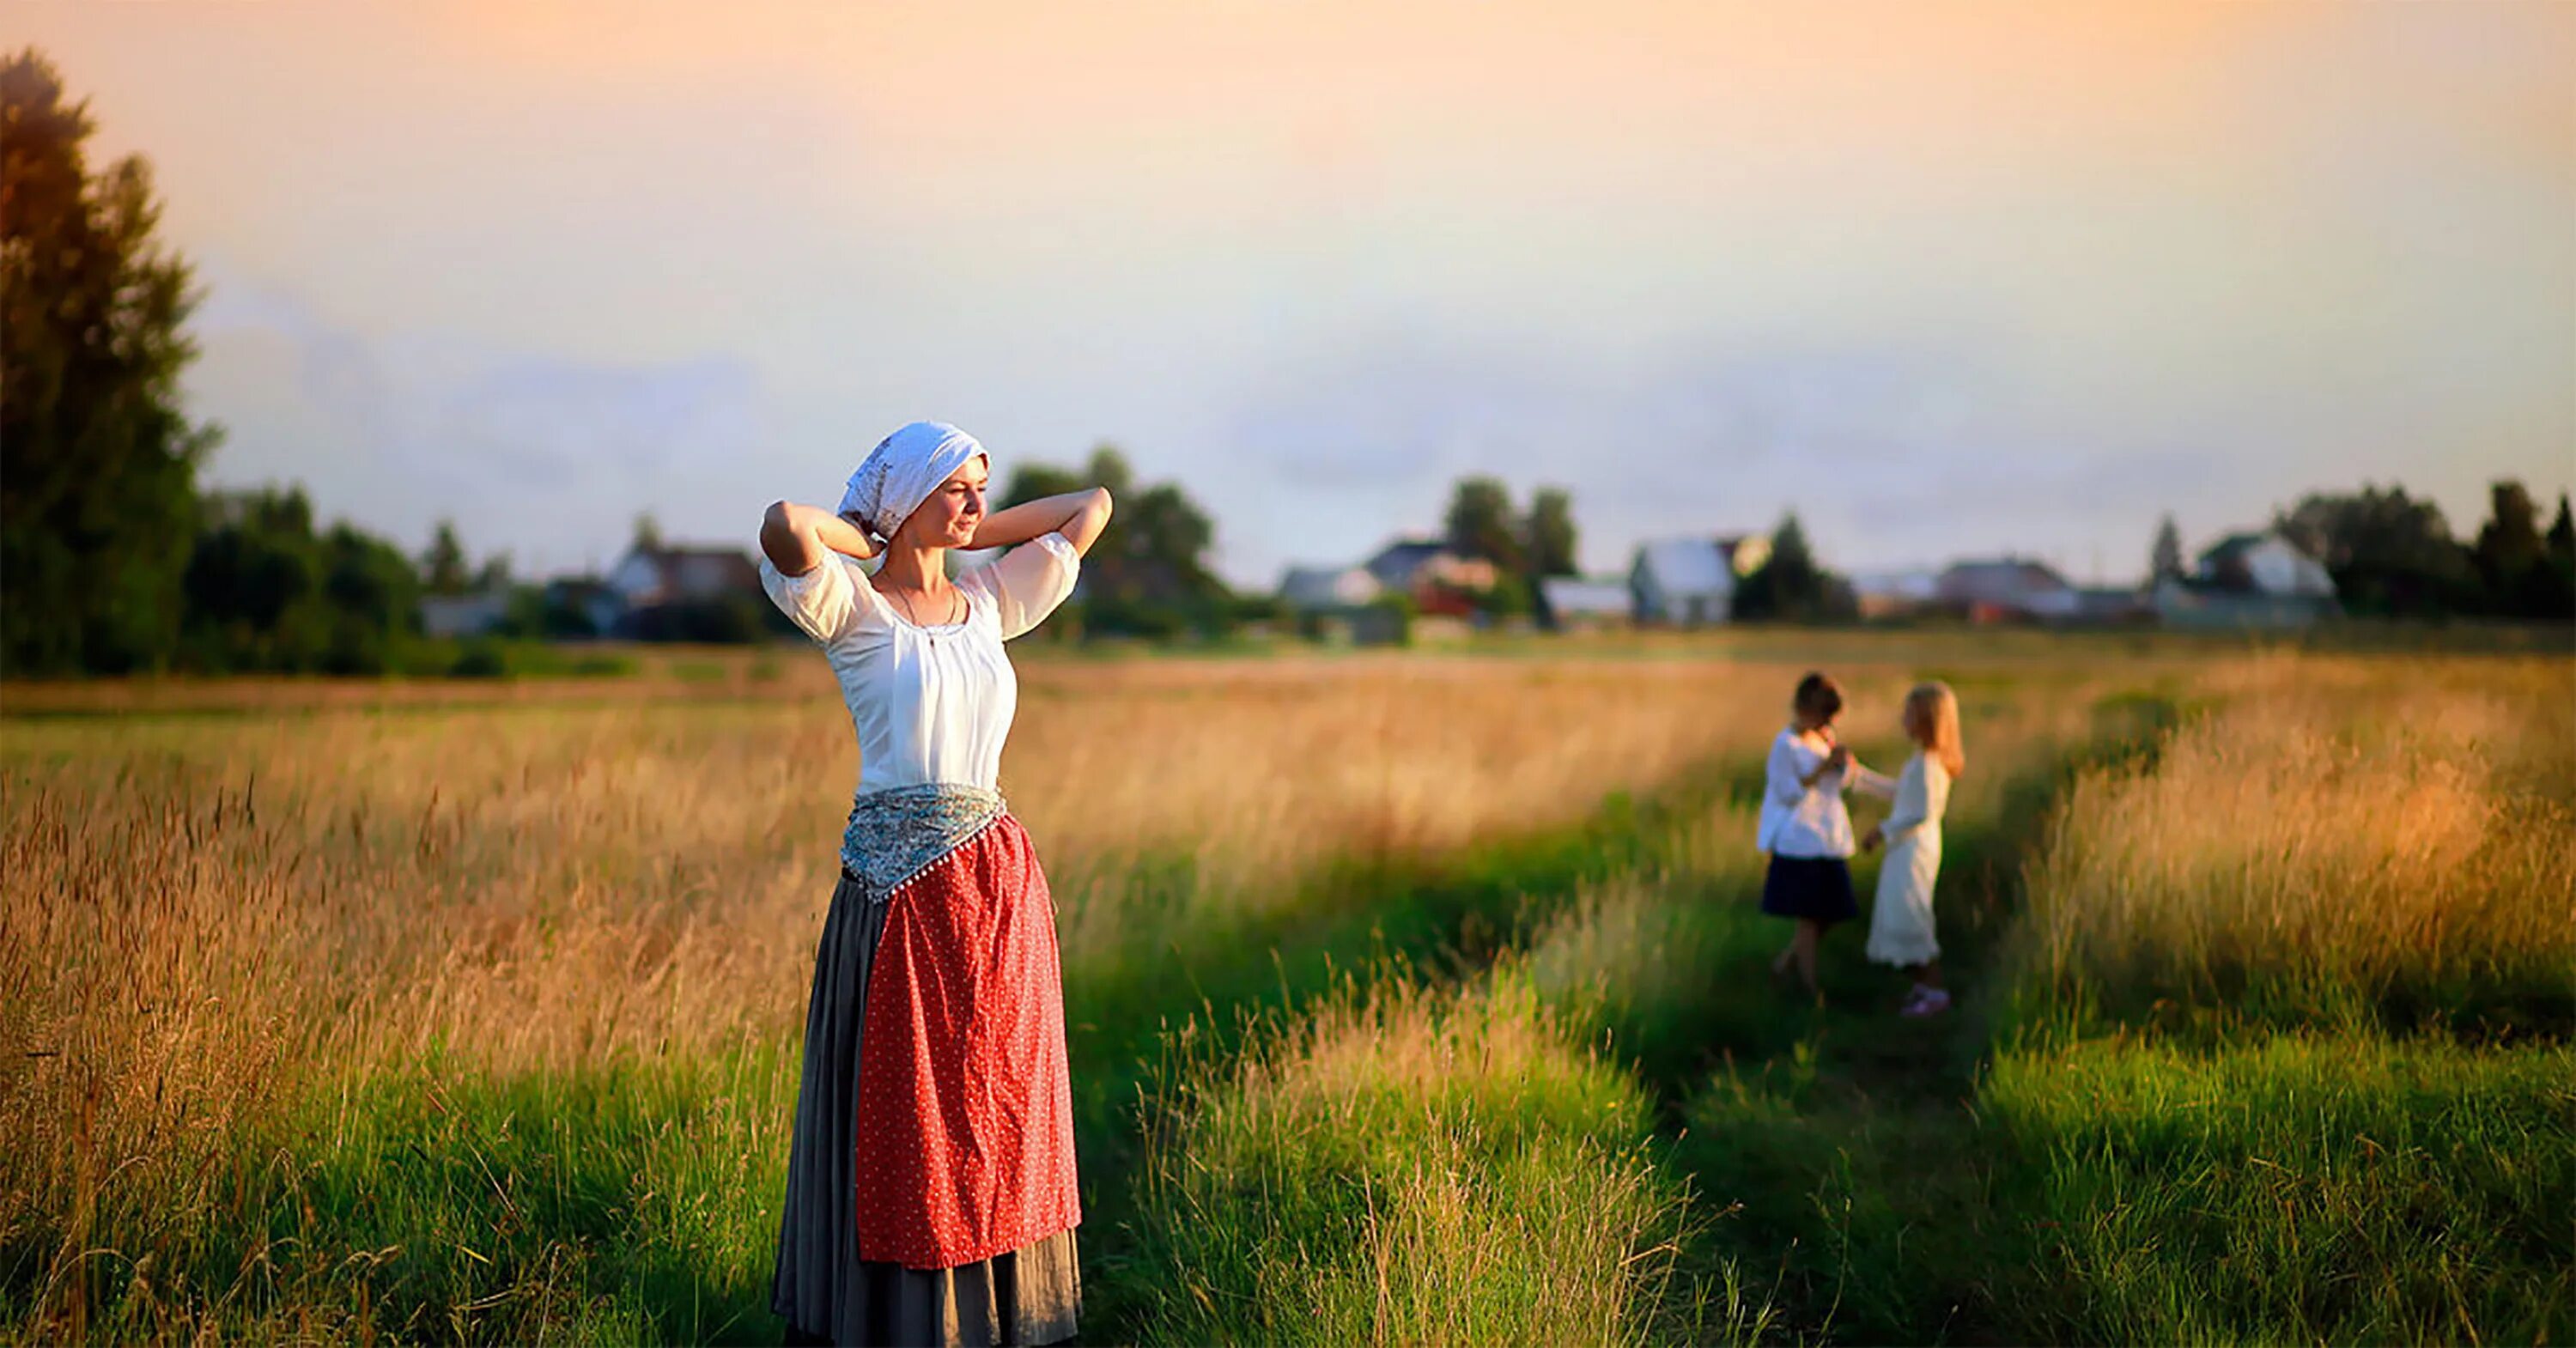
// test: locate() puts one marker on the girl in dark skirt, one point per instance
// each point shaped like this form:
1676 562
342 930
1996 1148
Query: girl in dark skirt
1805 827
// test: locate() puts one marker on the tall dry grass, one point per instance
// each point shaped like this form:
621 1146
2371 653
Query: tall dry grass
205 920
2341 838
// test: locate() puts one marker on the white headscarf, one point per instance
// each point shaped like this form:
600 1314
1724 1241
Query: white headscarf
903 470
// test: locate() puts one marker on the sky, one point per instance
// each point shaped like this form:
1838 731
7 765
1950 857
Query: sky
1947 279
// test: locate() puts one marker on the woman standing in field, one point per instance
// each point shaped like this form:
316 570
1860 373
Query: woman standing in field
930 1180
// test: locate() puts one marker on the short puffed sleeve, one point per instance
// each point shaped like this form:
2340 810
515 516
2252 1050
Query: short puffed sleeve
824 603
1028 582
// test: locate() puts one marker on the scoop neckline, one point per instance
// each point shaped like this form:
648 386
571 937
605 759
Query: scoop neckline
894 615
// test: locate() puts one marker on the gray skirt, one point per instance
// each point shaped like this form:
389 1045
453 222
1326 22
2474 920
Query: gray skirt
1030 1295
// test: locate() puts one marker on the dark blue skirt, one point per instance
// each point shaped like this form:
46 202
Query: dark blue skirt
1817 888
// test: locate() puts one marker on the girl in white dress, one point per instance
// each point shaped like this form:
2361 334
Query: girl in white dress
1900 924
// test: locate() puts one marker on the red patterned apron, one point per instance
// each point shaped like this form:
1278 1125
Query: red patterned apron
964 1135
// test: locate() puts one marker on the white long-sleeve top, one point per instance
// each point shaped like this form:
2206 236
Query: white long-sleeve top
1901 929
930 704
1800 820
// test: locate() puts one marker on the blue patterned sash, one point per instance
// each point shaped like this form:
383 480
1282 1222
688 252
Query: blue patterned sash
896 833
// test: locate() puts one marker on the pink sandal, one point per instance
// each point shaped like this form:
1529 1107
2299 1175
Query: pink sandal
1925 1002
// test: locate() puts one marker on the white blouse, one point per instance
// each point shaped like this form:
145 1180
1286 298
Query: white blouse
1800 820
931 704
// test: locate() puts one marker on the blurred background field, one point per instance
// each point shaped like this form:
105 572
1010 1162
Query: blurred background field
1412 999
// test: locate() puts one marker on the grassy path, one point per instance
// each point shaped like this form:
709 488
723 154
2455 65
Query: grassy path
1645 960
1833 1147
1598 996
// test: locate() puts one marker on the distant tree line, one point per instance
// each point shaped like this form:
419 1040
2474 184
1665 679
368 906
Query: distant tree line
2393 556
1147 574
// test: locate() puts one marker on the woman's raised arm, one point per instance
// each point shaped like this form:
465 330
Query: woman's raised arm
1078 515
796 537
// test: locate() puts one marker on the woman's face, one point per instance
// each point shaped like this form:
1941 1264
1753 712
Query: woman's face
948 517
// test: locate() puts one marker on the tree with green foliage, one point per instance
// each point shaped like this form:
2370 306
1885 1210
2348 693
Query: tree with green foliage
1480 524
2164 559
1147 573
97 460
443 566
2513 559
1792 586
2560 544
266 593
1550 548
2390 555
373 601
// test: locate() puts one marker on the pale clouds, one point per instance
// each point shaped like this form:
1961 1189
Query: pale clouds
541 455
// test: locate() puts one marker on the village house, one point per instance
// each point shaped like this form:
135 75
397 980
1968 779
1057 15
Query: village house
2263 563
692 594
2252 579
2006 589
1437 580
1688 582
648 577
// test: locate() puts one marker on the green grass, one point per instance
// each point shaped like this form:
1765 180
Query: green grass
2340 1189
635 1201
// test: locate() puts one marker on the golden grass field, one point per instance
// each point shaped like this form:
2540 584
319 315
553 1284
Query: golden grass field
1415 998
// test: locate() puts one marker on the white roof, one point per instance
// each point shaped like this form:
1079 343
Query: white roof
1687 565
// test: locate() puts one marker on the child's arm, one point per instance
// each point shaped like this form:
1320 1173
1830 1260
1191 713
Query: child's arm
1877 784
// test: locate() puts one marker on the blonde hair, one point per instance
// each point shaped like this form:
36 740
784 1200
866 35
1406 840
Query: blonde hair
1932 717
